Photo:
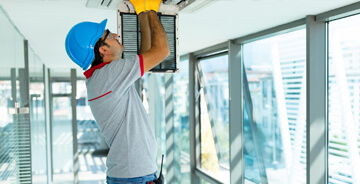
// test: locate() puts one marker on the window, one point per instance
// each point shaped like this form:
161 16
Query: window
214 107
274 123
343 100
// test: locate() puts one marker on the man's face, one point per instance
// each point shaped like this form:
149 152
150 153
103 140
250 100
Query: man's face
113 44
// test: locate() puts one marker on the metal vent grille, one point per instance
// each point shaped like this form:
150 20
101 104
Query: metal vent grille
131 37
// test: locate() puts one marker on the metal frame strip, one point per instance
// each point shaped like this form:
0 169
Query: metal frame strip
236 120
316 102
195 154
339 13
74 127
201 173
50 126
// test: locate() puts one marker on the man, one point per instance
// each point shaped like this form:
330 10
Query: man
114 102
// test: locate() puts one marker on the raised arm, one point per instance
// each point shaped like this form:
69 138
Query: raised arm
145 44
159 45
156 49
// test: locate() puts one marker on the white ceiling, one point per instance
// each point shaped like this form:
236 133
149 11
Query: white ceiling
45 23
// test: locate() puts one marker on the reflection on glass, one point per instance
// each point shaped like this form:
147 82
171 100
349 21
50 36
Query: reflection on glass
250 151
275 78
343 100
62 141
215 116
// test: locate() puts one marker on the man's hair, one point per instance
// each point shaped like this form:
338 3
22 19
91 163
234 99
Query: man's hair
98 59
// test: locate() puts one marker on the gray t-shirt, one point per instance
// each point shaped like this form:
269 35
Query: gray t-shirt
122 119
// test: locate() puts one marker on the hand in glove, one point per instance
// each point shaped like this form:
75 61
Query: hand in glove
139 5
152 5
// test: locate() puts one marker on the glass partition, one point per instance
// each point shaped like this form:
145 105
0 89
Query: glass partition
215 116
344 101
11 68
275 109
37 119
61 126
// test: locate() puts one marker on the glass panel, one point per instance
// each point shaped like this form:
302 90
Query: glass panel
181 124
12 59
37 119
215 117
62 141
343 100
275 109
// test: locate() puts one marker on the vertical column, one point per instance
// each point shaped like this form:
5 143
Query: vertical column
47 124
194 118
50 138
74 127
316 102
236 111
13 86
169 125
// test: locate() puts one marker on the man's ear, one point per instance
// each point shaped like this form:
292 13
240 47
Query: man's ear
103 50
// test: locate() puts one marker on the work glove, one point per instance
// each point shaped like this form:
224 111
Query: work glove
152 5
139 5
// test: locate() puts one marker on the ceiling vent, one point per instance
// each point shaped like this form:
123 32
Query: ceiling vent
129 32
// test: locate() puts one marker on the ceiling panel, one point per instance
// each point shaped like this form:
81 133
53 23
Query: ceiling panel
45 23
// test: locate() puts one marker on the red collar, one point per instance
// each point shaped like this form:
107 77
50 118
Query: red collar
88 73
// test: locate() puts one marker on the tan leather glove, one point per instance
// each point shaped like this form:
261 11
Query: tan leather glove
139 5
152 5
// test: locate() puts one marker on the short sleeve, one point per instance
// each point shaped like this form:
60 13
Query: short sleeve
123 73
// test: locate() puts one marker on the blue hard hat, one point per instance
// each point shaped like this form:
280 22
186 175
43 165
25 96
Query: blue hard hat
80 42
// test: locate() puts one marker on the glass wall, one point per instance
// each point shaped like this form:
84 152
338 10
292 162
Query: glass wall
344 101
11 68
37 119
275 109
214 107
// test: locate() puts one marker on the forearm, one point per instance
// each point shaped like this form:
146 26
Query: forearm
158 35
145 44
